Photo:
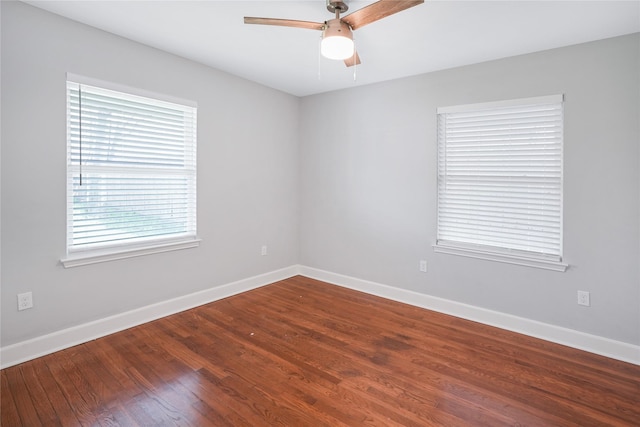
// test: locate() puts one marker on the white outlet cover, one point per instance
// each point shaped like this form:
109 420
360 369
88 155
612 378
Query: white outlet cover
584 298
25 301
423 266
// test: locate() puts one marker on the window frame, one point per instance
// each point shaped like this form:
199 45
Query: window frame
496 253
83 256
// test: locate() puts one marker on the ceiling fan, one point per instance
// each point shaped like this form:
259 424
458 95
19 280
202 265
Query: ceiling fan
337 37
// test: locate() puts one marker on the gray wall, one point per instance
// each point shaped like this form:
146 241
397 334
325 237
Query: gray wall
355 197
368 186
247 174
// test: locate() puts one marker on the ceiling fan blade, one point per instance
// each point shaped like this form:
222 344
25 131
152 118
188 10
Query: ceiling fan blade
284 23
354 60
376 11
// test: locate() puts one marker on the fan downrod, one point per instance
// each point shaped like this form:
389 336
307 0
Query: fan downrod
337 6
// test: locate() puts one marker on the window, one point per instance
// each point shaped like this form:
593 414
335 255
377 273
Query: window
131 173
500 181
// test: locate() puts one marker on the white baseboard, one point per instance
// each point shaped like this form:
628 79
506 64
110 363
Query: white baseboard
59 340
580 340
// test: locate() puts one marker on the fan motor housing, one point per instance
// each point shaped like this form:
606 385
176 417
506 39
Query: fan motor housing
337 27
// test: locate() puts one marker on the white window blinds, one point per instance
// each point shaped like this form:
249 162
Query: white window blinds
500 176
131 169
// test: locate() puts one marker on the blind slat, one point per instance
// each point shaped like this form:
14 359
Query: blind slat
500 176
137 160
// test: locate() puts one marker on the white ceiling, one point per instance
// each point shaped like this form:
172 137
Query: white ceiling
436 35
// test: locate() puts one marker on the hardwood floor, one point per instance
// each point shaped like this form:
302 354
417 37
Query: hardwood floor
305 353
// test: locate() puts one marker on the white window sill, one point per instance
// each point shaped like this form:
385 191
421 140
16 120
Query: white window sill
93 257
509 258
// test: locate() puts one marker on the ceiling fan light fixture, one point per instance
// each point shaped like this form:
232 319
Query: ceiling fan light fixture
337 38
337 41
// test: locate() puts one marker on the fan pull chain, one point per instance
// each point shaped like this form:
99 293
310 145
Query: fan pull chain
355 61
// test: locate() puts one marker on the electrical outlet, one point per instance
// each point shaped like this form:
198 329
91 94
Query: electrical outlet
584 298
423 266
25 301
263 251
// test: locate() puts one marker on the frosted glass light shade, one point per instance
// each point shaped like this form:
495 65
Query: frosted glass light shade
337 47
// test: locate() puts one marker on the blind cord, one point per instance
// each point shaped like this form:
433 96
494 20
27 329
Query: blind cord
80 130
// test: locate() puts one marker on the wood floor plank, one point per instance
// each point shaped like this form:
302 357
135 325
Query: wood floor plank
65 414
279 370
22 399
286 339
80 403
379 357
301 352
300 378
112 361
33 374
8 409
351 363
625 404
155 374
